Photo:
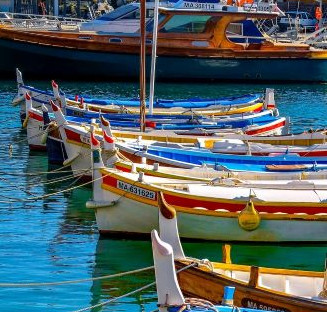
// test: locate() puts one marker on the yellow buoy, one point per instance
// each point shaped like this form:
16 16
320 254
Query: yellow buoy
26 121
249 218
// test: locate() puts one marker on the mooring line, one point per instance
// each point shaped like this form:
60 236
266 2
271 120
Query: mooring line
193 264
16 285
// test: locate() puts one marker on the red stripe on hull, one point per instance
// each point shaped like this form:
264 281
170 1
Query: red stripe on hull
73 136
265 129
35 116
232 207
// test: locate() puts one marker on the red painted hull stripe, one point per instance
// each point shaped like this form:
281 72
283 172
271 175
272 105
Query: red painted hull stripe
35 116
232 207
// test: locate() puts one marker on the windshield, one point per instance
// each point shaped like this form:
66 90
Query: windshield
185 24
118 13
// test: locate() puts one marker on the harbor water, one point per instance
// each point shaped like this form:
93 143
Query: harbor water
47 234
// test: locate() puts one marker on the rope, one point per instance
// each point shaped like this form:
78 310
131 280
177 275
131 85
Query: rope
116 298
35 198
46 130
37 173
131 292
50 181
75 281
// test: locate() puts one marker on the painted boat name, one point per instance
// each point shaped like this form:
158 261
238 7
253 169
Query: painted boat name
253 304
196 5
139 191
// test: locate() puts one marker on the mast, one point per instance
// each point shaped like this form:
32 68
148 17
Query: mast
142 65
154 56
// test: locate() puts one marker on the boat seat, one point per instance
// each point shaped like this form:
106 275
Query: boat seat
238 275
272 281
304 286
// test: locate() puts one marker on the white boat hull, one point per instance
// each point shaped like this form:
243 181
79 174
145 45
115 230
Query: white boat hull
130 217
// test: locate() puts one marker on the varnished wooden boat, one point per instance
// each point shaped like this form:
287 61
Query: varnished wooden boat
269 289
186 52
170 297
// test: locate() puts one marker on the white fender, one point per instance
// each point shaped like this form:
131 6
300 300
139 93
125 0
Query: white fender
168 226
28 103
91 204
270 99
168 290
48 129
44 136
69 160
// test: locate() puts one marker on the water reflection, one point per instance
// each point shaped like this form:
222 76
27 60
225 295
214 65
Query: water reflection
114 256
55 238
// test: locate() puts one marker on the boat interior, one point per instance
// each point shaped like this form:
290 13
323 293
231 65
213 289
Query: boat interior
293 282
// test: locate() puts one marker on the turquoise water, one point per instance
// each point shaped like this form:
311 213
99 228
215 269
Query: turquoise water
55 238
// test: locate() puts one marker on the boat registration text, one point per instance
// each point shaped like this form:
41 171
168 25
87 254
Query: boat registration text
139 191
254 304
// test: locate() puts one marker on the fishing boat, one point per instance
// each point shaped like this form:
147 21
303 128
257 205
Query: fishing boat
80 106
170 297
270 289
189 157
76 138
208 174
195 48
239 147
270 211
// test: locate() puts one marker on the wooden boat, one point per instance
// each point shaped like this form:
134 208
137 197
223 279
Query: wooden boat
184 52
208 174
239 147
279 211
76 139
170 297
255 287
189 157
43 97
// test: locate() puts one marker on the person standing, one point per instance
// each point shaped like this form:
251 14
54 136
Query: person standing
41 7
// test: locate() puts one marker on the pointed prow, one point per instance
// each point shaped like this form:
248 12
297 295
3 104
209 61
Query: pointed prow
105 125
96 151
168 290
60 99
20 96
168 226
270 99
19 78
60 118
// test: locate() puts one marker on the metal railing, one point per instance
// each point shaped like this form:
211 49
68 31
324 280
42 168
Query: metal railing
20 20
